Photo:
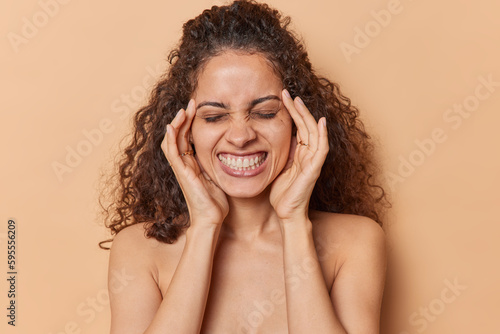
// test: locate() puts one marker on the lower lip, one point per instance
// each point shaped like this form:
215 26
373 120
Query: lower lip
244 173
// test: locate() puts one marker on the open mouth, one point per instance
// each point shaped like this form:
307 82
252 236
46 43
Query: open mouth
242 163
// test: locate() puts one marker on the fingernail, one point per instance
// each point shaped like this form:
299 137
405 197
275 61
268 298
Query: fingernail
168 129
287 93
300 100
323 122
190 104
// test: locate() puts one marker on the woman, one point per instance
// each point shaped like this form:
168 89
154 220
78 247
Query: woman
245 199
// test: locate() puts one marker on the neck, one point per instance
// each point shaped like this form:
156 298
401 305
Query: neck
250 218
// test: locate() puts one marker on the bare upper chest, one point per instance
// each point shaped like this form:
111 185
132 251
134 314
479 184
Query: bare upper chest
247 291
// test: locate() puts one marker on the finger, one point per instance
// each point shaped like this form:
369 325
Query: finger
302 132
179 118
169 147
182 172
309 121
323 145
177 161
176 122
185 128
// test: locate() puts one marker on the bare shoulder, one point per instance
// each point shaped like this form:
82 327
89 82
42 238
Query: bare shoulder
133 240
346 229
132 243
130 252
133 250
356 249
129 237
342 237
136 268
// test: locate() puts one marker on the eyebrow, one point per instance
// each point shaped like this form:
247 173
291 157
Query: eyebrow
253 103
263 99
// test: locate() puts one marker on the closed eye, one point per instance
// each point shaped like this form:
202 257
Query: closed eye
213 118
265 114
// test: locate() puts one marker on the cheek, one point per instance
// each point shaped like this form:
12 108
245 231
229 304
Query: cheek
204 140
282 123
279 134
199 138
282 129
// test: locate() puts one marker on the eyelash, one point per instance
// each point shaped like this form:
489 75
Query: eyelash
265 115
213 119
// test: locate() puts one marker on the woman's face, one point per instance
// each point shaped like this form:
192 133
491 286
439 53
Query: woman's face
241 131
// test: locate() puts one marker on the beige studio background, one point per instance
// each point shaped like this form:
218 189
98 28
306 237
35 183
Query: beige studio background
424 74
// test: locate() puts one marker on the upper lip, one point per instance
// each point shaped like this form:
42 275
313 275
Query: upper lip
241 154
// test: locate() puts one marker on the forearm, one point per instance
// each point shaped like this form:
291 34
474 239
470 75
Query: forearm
309 305
183 305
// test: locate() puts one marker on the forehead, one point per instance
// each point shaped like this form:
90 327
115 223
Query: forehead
235 77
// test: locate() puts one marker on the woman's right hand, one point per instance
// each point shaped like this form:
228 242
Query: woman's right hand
206 202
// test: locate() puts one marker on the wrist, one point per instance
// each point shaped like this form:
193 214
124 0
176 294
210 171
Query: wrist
299 219
297 235
294 214
300 225
202 231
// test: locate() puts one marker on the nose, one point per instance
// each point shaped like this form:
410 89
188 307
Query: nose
240 133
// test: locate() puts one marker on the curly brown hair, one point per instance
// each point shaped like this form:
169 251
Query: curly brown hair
145 188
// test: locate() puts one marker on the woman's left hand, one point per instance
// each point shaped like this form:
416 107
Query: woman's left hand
292 189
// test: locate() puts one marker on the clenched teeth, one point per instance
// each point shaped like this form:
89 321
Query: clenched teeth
242 163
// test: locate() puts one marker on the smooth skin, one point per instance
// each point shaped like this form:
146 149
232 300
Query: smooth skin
254 259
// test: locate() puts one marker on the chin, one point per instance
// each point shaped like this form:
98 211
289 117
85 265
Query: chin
242 189
243 194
